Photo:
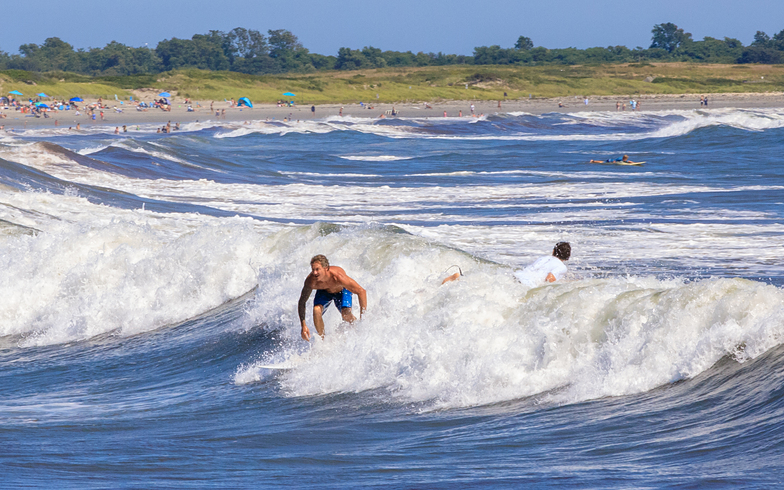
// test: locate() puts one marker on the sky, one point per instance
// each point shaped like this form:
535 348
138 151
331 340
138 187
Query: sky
448 26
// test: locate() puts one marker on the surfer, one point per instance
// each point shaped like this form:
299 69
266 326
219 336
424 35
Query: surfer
549 268
332 284
624 159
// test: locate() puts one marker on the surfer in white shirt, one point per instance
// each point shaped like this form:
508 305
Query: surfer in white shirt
549 268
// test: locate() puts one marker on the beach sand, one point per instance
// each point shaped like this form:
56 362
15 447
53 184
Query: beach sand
132 118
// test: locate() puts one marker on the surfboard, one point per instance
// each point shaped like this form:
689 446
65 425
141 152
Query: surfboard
621 163
285 365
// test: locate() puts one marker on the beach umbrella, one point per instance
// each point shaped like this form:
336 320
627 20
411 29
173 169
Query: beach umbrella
246 101
76 99
15 92
164 94
289 94
41 104
42 95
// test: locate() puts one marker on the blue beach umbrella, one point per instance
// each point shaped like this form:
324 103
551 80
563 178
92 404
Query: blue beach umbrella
42 95
15 92
76 99
289 94
246 101
41 104
164 94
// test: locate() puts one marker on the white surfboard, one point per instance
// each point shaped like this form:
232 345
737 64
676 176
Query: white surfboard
281 366
285 365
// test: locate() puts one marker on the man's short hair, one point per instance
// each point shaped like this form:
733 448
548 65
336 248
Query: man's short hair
562 250
322 259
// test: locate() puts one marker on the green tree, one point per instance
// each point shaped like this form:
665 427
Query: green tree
524 43
669 37
351 59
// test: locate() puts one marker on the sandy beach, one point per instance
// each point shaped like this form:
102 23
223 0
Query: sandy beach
131 118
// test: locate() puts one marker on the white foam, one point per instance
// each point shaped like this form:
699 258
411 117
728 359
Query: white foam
93 269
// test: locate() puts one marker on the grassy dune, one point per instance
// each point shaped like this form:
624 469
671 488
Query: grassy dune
416 84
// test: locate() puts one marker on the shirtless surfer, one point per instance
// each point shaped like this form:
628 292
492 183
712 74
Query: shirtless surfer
332 284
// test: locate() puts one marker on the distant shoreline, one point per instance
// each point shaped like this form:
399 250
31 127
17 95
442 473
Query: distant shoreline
260 112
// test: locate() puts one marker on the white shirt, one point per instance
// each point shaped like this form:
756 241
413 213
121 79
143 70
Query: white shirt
536 273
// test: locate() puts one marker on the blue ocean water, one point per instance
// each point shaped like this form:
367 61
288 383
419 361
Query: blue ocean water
148 277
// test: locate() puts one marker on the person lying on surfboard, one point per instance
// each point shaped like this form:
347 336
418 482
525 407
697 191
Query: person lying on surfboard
332 285
624 159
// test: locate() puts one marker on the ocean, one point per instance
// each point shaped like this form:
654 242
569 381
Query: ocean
148 277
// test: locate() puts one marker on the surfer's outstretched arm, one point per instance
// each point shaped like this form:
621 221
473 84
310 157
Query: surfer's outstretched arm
303 301
453 277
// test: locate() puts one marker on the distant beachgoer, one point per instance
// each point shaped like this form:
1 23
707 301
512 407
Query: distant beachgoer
78 126
472 109
702 100
624 107
159 130
637 105
461 112
340 113
117 130
617 106
125 128
586 101
706 101
211 104
176 126
499 104
313 110
444 113
560 104
101 115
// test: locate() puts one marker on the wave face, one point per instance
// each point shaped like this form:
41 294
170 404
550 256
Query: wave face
148 278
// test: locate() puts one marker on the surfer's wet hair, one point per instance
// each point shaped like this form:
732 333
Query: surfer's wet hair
321 259
562 250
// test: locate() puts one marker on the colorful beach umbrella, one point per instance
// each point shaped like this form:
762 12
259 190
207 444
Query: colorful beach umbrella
15 92
76 99
289 94
164 94
246 101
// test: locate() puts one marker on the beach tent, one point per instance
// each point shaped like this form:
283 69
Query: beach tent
76 99
15 92
244 101
164 94
289 94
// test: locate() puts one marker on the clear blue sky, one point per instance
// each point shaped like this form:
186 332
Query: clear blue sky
450 26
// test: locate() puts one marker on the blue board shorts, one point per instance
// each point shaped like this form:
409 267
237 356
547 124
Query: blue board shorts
341 299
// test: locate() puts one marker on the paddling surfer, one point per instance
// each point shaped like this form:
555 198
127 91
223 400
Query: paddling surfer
624 159
332 285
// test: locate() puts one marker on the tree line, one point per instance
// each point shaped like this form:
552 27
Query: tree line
279 51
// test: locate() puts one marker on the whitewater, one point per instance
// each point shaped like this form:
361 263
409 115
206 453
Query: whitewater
148 278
